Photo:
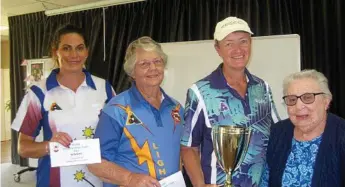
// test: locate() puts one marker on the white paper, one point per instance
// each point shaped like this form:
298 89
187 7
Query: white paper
174 180
80 152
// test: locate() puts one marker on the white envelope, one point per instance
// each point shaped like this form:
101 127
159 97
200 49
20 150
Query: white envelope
80 152
174 180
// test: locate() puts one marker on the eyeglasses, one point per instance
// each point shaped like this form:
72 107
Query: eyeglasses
307 98
145 64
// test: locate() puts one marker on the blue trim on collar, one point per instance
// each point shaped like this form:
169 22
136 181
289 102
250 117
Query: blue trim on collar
139 98
89 80
52 81
218 81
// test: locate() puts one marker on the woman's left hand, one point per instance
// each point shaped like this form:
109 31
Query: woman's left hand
62 138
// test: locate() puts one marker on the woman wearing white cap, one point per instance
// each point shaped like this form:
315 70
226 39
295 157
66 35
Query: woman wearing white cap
230 95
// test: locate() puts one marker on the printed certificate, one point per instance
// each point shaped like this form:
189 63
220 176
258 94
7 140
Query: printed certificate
174 180
80 152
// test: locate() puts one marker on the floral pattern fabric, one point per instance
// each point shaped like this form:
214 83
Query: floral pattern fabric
299 166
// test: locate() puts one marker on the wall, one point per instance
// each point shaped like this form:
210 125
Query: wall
273 58
5 116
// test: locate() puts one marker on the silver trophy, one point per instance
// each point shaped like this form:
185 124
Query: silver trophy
230 144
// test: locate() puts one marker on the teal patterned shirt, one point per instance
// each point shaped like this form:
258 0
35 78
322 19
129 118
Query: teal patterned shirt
210 102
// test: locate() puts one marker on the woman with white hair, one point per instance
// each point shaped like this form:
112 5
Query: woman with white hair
140 129
308 148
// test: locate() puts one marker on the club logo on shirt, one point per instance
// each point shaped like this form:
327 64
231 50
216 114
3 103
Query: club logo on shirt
132 119
176 115
54 106
56 148
223 106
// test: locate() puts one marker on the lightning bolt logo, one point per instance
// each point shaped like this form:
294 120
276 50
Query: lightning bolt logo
132 118
143 153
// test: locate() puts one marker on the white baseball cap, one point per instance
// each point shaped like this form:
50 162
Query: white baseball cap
229 25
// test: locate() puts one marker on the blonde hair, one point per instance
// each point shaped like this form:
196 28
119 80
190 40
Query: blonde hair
146 43
311 74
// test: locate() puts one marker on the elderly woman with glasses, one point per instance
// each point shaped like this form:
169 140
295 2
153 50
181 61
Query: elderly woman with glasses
308 148
140 129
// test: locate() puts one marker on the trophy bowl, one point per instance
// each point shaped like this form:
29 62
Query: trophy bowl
230 144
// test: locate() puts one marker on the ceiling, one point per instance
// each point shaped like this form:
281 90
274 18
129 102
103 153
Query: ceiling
18 7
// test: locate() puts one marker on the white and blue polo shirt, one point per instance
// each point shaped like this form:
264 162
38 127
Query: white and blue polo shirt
53 107
140 138
210 102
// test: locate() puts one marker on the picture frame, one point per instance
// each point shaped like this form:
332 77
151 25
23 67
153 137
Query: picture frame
37 69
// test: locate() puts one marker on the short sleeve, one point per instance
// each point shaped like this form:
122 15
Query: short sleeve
29 115
109 133
194 121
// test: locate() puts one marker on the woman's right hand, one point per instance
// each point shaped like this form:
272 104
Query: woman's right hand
141 180
62 138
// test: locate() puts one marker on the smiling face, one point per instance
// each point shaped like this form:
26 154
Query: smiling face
235 50
71 52
307 117
149 69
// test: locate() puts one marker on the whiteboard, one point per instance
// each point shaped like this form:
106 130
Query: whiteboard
273 58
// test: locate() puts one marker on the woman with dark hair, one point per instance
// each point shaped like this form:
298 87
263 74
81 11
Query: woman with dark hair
66 106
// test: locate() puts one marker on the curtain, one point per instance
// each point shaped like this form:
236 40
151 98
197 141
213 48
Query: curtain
183 20
319 23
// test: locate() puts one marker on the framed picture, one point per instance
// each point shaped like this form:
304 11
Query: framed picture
37 69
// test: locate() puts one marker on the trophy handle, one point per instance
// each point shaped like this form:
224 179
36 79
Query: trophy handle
245 147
